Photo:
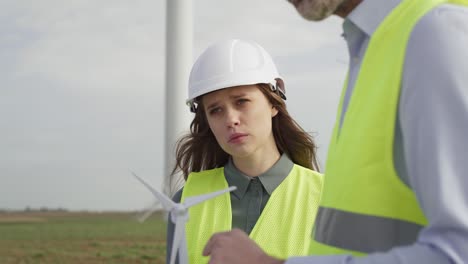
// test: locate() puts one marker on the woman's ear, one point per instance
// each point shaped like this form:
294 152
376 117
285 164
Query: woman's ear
274 111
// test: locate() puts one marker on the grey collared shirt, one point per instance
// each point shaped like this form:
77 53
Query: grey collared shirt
431 145
253 193
250 198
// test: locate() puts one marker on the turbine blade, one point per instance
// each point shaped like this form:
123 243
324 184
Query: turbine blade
167 203
191 201
149 211
179 235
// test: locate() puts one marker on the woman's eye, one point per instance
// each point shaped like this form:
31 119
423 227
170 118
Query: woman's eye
242 101
215 110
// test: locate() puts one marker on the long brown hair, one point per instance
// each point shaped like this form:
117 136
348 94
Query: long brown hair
198 150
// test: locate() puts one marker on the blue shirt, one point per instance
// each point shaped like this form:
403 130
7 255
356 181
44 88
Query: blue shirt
431 145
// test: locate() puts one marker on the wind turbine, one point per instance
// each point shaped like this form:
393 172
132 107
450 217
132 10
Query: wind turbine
179 216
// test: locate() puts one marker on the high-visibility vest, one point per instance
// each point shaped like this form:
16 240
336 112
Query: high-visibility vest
284 227
365 207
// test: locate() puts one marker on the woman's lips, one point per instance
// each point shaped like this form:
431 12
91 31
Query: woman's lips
236 138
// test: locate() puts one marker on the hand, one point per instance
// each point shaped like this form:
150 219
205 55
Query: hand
235 247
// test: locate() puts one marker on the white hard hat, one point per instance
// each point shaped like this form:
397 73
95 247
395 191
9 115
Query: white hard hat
232 63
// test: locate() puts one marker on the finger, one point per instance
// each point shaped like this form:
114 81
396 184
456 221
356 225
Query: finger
213 241
207 250
209 245
237 232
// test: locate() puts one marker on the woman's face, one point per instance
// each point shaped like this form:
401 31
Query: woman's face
241 120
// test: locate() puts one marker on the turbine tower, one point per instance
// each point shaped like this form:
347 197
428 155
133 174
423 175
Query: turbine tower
179 42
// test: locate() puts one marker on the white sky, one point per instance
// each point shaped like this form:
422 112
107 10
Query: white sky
82 89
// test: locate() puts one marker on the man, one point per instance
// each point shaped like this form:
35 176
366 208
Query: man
397 171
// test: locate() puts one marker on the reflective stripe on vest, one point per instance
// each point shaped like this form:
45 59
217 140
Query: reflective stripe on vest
283 228
365 207
363 233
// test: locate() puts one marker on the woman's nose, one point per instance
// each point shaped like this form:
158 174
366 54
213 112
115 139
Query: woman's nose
232 118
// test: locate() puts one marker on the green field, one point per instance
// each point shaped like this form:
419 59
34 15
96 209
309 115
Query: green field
69 237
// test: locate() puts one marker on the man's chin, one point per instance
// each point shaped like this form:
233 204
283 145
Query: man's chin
315 15
315 18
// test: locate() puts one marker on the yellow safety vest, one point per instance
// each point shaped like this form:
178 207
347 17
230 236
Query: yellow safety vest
283 229
365 207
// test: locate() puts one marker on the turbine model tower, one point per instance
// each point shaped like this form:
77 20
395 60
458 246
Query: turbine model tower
179 216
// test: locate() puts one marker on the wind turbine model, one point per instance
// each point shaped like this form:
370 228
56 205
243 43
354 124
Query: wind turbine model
179 216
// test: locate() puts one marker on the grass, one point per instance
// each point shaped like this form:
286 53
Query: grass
81 238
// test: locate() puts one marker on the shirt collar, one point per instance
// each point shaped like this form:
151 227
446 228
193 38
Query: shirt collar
269 179
368 15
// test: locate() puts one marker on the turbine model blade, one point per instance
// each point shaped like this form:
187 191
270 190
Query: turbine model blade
191 201
179 236
167 203
149 211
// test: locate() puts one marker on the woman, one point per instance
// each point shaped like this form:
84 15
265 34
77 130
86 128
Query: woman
242 135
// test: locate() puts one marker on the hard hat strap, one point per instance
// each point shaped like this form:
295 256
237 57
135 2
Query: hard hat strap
278 90
193 105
